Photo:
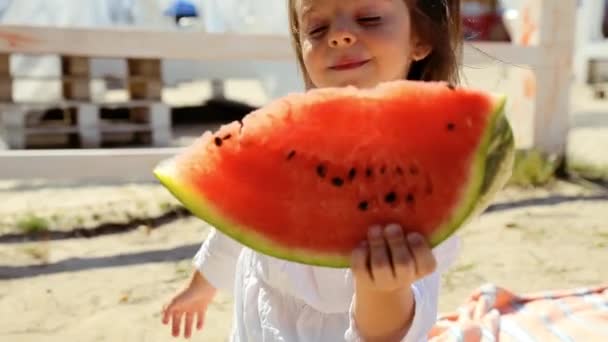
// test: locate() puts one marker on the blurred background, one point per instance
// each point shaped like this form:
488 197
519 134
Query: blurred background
94 93
199 82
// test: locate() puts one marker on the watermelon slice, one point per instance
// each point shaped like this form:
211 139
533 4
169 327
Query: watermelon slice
304 177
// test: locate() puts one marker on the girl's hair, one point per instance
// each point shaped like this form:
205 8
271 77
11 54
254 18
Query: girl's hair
436 22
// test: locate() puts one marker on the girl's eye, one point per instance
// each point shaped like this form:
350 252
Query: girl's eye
317 31
369 21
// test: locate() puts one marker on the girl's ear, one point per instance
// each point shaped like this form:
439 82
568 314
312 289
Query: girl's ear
421 50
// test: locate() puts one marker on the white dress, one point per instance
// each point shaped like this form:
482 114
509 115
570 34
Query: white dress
278 300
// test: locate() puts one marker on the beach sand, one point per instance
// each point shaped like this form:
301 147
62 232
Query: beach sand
112 287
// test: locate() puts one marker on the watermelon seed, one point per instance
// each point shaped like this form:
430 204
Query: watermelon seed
227 136
352 173
291 154
399 170
390 197
451 86
382 169
368 172
451 126
363 206
321 171
414 170
410 198
337 181
218 141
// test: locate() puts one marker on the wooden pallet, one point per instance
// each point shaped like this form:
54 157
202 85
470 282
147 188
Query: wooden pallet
85 125
77 121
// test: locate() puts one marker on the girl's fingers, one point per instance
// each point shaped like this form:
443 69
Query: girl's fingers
188 325
166 315
200 319
177 320
381 269
402 261
422 254
359 264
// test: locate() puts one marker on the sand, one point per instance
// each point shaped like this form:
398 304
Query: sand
112 287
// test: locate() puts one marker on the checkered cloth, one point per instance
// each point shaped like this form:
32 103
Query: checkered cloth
493 313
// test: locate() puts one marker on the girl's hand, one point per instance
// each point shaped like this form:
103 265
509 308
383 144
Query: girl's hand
390 261
190 305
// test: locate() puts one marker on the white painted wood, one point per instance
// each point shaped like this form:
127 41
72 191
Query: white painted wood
556 38
51 129
89 127
597 50
142 43
83 164
12 117
71 103
160 124
13 127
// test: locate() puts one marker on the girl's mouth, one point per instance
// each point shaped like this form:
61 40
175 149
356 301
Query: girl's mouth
349 64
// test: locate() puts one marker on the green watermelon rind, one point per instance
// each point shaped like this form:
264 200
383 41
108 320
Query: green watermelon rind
472 196
205 210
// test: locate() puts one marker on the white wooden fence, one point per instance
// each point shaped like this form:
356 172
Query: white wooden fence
545 44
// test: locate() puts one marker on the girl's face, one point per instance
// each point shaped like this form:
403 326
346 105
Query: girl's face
356 42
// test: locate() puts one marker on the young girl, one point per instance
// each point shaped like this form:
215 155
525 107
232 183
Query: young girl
390 292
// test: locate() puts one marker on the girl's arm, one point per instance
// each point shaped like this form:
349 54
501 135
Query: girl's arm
416 315
216 260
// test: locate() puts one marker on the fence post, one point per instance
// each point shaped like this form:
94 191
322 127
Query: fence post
551 110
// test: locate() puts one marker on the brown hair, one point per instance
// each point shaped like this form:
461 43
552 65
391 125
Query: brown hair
436 22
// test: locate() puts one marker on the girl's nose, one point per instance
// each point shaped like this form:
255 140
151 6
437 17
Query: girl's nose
341 38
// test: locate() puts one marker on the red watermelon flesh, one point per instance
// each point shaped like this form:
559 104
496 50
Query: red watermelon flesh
304 177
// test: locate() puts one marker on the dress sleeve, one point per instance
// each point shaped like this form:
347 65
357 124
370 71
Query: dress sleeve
217 258
426 295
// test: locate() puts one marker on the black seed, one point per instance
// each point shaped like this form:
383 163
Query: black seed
352 173
382 169
451 126
390 197
399 170
218 141
414 170
227 136
410 198
321 171
451 86
368 172
363 206
291 154
337 181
